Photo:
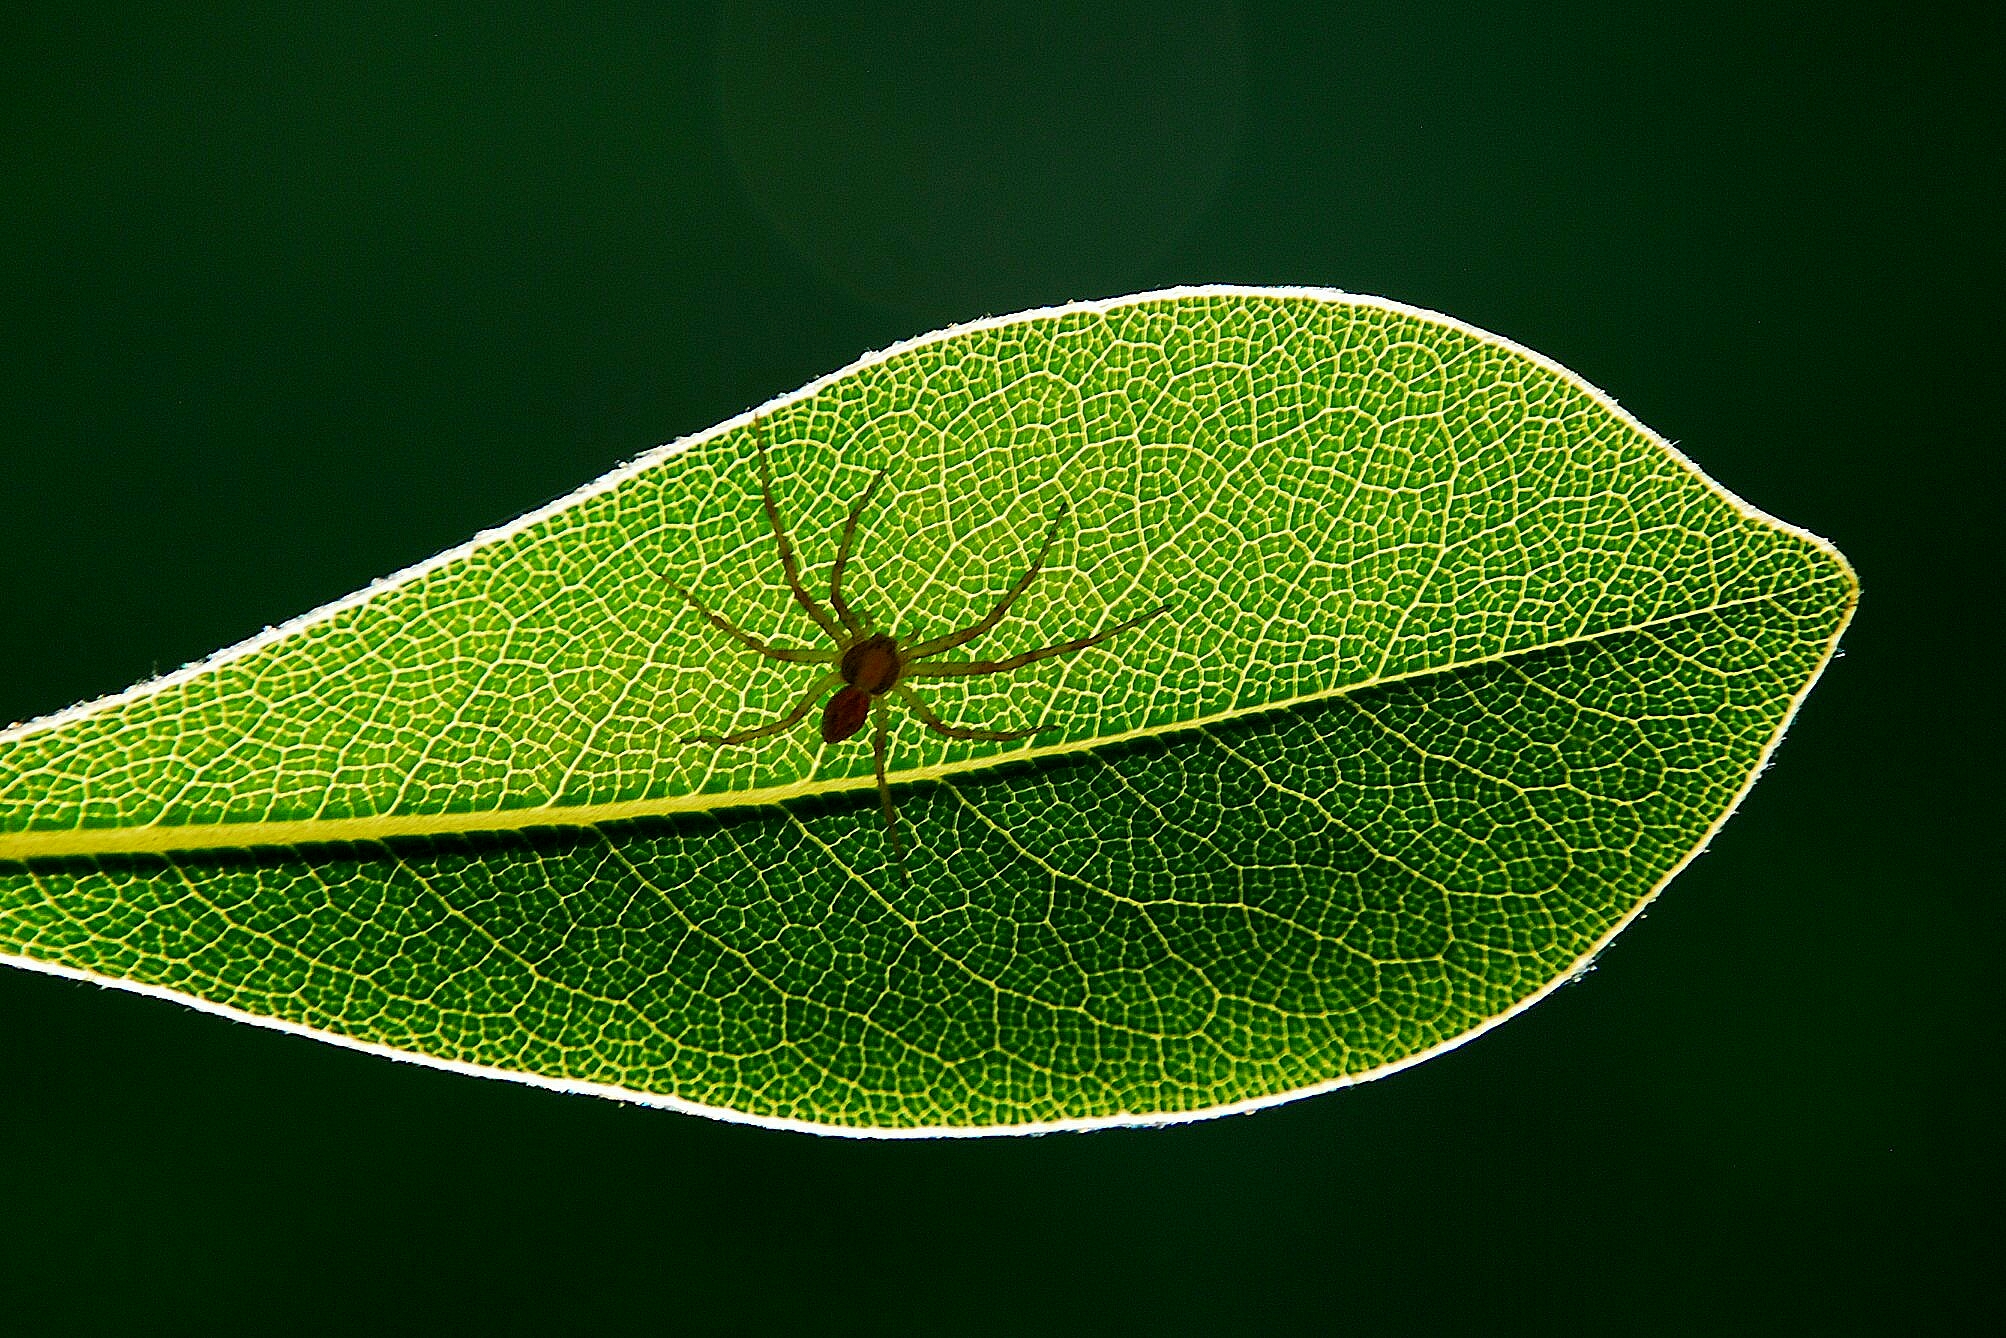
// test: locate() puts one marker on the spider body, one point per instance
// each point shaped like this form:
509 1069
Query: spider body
871 668
868 667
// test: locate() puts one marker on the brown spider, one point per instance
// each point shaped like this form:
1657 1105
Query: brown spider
871 665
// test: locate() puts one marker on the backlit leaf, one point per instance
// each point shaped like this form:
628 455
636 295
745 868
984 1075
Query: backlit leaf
1462 665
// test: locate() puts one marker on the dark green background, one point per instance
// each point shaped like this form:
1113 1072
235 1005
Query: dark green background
293 300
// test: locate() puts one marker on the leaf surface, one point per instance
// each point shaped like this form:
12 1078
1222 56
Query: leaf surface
1463 663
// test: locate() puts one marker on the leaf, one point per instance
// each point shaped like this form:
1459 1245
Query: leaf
1463 664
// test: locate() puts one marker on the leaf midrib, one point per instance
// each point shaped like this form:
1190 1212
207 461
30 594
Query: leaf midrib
166 838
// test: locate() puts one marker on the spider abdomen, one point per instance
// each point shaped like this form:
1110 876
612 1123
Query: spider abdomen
844 715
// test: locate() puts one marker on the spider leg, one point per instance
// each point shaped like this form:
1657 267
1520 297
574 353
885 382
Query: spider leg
842 606
971 668
880 717
788 563
995 615
939 726
791 654
788 721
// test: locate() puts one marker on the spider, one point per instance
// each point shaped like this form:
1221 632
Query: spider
869 666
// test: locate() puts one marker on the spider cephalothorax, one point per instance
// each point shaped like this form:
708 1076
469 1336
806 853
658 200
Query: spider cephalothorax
870 666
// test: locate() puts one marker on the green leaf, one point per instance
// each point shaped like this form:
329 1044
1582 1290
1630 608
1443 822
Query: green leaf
1462 665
